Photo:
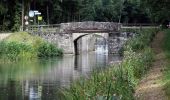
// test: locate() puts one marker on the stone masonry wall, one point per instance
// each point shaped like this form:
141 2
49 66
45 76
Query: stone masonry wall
64 38
117 40
61 40
89 25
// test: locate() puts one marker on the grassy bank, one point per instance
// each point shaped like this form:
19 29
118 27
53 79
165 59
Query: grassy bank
166 47
120 80
22 45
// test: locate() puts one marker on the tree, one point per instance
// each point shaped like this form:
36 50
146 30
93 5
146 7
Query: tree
159 10
3 13
133 12
17 17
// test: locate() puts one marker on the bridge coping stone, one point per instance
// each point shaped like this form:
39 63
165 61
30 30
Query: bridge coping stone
89 25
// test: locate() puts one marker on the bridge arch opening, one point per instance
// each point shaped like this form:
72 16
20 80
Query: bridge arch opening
92 40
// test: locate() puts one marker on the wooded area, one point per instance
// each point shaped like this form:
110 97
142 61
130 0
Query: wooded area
57 11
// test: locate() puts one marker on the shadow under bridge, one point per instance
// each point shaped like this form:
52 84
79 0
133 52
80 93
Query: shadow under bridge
87 42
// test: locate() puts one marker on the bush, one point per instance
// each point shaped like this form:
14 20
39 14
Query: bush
141 40
22 45
48 50
14 50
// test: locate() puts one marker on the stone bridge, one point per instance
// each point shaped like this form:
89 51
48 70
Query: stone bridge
78 37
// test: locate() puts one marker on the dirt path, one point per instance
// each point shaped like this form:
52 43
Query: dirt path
4 35
150 87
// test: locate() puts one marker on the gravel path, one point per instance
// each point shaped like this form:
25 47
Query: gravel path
150 87
4 35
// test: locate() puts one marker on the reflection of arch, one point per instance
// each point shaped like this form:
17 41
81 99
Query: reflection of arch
75 40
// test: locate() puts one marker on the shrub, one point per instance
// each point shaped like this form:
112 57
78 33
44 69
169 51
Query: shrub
48 50
22 45
141 40
14 50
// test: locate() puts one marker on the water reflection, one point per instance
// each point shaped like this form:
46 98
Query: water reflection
42 79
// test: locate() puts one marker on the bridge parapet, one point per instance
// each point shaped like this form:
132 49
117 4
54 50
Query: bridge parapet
89 25
43 28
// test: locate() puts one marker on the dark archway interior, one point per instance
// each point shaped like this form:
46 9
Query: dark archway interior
76 42
75 47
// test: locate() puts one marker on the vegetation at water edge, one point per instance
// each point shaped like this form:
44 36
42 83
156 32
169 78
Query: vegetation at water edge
21 45
118 81
166 47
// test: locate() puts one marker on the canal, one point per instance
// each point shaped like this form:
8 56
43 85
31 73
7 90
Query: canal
42 79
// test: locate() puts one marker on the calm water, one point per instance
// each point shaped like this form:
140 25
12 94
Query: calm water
42 79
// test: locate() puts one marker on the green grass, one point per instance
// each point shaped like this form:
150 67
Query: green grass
15 51
22 45
117 82
166 47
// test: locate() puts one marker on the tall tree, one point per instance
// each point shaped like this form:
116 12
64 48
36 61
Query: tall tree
159 10
3 13
17 17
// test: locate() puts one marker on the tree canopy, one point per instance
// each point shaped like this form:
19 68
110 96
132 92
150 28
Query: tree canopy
57 11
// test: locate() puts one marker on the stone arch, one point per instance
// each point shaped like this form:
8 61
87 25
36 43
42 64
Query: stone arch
76 36
80 35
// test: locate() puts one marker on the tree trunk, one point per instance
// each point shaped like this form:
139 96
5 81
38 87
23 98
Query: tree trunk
22 15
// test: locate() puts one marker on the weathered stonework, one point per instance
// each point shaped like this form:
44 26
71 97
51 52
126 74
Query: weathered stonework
69 37
89 25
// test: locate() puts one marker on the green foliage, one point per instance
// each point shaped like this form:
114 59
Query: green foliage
142 39
48 50
24 46
166 44
15 51
7 14
153 9
125 11
17 18
166 47
3 9
119 81
132 12
130 71
167 89
116 82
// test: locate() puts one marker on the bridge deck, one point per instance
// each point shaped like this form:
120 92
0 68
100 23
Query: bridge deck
90 31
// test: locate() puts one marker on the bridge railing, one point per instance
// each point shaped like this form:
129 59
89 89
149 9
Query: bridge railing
88 25
138 25
43 28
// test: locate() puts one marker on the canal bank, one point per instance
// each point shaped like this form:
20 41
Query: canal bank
22 45
151 86
118 81
47 81
44 78
166 74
